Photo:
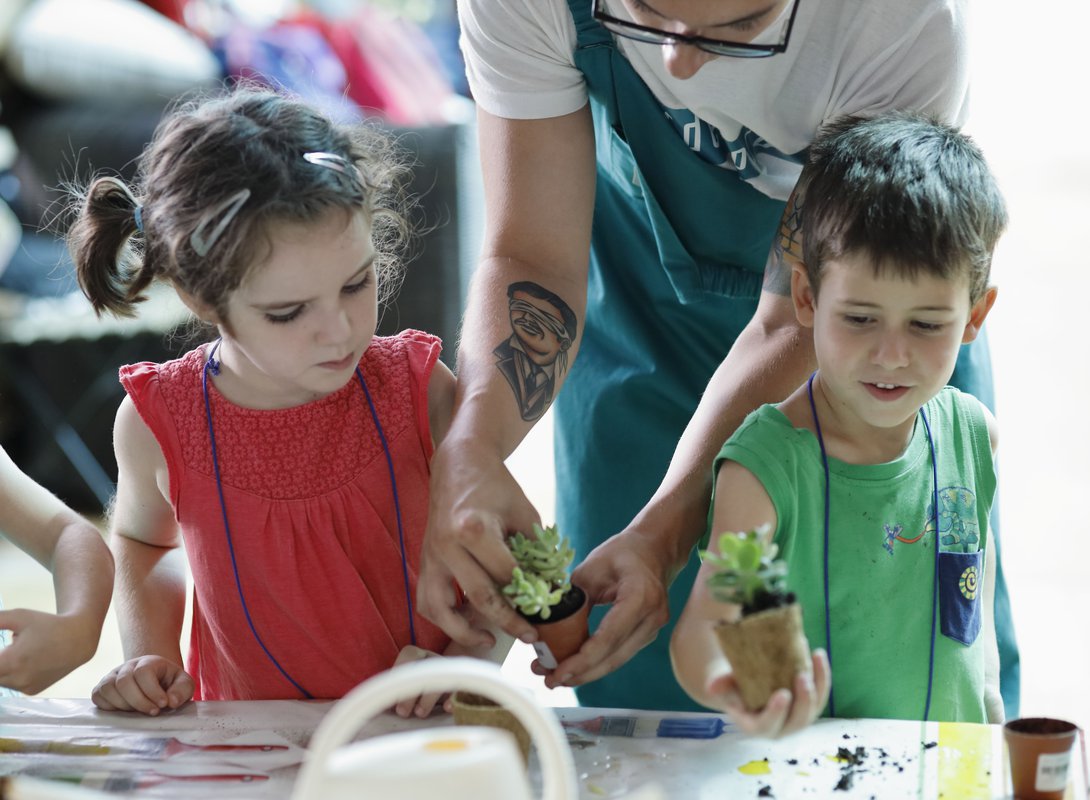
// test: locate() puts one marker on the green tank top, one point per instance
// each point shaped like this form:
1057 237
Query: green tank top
882 570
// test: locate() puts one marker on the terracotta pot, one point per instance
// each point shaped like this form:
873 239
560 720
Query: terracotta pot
475 709
1040 754
564 632
766 651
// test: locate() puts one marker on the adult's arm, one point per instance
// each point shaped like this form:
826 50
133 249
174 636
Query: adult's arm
633 569
539 178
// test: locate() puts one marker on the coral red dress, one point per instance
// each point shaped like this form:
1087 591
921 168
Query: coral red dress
312 517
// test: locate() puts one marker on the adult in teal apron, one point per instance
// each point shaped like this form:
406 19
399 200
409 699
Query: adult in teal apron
677 258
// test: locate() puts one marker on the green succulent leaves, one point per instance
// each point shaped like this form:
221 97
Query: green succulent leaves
746 568
542 577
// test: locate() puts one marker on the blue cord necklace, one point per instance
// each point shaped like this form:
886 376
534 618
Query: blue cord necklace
825 556
213 366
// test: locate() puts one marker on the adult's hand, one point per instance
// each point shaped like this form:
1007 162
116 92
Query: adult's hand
475 503
632 571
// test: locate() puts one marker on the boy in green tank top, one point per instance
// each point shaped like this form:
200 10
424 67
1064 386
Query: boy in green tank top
874 473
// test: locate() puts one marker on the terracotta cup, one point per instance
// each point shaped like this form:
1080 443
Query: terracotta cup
564 632
1040 754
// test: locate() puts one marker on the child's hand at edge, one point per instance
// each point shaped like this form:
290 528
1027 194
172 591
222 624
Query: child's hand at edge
784 713
148 684
44 647
423 705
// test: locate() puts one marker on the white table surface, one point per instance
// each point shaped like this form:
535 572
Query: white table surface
898 759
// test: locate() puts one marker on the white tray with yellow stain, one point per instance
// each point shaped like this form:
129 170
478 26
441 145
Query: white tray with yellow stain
842 758
838 759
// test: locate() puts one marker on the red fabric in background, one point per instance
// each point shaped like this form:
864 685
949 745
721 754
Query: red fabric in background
361 86
392 69
391 66
172 9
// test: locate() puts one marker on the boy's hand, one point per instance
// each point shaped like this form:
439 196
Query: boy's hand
784 713
148 684
44 648
423 705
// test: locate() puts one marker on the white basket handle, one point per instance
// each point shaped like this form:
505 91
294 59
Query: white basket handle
379 693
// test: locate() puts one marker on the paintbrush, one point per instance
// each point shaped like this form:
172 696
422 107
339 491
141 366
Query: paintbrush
128 745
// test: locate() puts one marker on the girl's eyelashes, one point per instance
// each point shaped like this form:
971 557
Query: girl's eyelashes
282 317
287 316
358 286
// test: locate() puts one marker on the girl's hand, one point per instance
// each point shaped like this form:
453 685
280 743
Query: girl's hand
785 712
44 648
423 705
148 684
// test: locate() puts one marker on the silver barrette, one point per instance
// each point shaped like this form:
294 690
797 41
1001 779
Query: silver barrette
337 163
225 212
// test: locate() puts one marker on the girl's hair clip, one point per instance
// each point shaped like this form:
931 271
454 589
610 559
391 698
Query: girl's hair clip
337 163
225 212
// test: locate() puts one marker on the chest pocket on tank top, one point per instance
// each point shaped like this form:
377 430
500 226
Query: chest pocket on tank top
960 587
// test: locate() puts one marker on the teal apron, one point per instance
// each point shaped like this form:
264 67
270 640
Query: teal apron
678 252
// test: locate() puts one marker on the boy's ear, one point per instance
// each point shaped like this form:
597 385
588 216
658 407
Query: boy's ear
977 315
199 308
802 295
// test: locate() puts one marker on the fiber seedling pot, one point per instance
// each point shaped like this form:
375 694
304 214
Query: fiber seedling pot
766 650
564 632
474 709
1040 754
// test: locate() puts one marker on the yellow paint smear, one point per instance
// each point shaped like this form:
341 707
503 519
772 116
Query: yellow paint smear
965 757
761 767
447 745
9 745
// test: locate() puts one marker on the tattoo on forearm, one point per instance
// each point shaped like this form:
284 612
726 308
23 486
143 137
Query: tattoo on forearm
535 357
786 249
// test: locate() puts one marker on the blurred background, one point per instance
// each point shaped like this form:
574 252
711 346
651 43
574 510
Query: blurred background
83 82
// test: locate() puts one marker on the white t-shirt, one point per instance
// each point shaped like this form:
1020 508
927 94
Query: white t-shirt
754 115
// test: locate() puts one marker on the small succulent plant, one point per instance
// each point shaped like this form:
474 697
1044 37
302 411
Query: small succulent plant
541 578
747 572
